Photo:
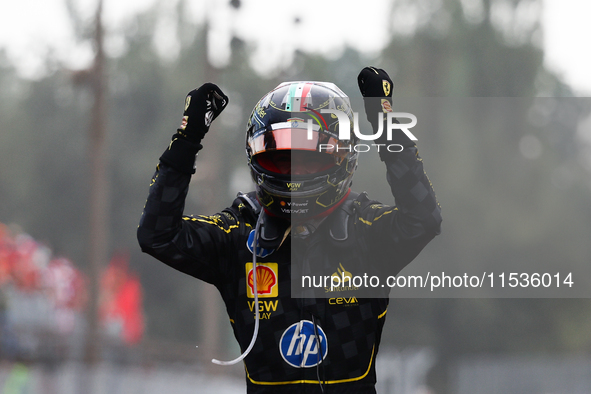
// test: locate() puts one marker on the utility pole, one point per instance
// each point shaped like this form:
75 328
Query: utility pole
99 192
212 306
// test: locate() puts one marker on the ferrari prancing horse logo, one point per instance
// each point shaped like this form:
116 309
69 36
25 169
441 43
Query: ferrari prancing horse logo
387 87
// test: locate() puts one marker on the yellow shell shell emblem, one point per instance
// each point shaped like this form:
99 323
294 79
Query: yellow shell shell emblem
267 280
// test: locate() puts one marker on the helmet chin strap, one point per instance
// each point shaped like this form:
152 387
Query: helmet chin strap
256 297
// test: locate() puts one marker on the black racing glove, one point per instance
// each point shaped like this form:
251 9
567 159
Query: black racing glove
376 87
202 106
375 82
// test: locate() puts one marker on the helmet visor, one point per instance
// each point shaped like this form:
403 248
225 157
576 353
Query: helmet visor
295 162
291 135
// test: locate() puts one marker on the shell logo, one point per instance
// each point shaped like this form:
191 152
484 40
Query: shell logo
267 282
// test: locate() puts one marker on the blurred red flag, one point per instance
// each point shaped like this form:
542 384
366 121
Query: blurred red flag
121 301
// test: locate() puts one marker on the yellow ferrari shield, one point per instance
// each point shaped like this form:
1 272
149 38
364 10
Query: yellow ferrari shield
387 87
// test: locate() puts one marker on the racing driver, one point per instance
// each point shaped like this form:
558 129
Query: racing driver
302 217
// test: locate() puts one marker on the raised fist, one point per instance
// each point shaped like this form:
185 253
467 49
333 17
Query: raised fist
202 106
375 82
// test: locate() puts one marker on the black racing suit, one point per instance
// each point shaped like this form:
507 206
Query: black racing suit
346 329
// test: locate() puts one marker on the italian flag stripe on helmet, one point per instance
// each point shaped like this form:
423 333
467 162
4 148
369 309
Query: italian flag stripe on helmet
296 93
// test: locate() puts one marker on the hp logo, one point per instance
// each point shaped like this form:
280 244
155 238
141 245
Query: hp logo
299 345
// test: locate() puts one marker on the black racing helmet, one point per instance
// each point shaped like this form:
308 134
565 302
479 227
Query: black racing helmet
300 166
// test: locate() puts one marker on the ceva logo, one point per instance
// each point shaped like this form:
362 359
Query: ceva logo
299 346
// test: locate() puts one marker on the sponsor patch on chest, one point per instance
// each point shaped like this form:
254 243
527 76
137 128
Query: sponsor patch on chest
267 280
302 346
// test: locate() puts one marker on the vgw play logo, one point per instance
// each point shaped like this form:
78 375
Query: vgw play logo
300 347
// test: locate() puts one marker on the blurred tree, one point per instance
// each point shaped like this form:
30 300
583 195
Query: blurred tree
503 204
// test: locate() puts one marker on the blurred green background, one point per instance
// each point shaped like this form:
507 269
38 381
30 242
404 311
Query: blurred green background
509 194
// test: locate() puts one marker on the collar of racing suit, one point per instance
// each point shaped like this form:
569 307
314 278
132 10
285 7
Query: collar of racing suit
274 230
